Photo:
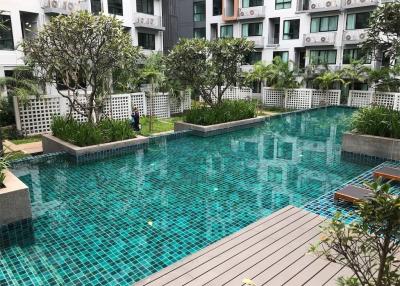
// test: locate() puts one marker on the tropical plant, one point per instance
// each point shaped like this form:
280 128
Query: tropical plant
327 79
225 111
261 72
385 79
87 133
356 71
384 32
377 121
79 53
282 75
369 245
209 67
4 164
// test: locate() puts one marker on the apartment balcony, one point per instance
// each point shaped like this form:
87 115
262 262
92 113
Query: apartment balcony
258 41
62 6
251 13
141 20
319 39
354 36
324 5
347 4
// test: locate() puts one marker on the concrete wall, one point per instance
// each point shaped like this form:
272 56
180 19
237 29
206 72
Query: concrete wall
15 203
381 147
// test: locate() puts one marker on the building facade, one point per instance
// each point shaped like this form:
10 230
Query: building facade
306 32
23 18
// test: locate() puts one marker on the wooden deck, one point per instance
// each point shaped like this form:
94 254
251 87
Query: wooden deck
271 251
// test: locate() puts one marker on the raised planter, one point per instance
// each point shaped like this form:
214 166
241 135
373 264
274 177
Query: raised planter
52 144
373 146
15 203
215 129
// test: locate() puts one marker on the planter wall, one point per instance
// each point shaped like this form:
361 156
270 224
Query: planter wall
373 146
15 203
215 129
52 144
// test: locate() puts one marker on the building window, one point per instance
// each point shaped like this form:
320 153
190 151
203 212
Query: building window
145 6
95 6
115 7
252 29
324 24
283 55
199 11
283 4
291 29
199 33
217 7
252 3
226 31
356 54
320 57
253 58
6 35
147 41
357 21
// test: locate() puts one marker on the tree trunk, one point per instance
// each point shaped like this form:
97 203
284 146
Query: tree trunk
1 143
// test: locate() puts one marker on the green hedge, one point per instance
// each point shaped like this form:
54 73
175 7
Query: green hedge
377 121
224 112
86 134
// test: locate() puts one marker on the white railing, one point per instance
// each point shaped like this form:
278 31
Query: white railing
317 39
354 36
233 93
362 98
300 98
36 116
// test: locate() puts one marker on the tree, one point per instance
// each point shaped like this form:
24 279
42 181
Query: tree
210 67
82 51
384 31
327 79
355 72
385 79
367 246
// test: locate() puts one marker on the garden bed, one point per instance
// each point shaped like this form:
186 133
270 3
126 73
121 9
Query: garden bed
215 129
373 146
15 203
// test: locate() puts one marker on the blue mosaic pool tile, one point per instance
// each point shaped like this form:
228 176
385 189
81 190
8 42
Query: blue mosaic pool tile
117 220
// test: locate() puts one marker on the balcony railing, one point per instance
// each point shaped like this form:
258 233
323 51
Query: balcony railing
319 39
359 3
258 41
354 36
324 5
141 20
252 12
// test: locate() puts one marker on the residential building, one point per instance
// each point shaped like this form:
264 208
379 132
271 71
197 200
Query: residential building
141 18
302 31
183 19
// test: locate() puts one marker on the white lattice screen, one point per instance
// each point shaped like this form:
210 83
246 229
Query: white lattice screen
158 105
234 93
273 97
298 98
121 106
139 101
361 98
328 97
66 105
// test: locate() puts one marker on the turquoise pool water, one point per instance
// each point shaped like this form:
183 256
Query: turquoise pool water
116 221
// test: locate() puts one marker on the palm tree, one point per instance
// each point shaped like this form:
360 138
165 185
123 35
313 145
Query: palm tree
261 73
327 79
355 72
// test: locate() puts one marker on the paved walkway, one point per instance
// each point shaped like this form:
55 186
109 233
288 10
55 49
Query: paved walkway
28 148
271 251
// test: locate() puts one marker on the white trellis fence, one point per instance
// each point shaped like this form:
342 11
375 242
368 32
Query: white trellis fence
300 98
362 98
234 93
36 116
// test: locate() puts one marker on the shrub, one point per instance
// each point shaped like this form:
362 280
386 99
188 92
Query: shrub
4 164
226 111
87 133
377 121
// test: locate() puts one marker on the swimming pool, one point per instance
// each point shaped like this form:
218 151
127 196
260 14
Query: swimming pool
118 220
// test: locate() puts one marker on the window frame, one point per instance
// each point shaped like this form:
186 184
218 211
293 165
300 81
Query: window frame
198 29
294 35
346 60
357 20
6 35
257 3
115 8
260 24
145 7
202 16
251 60
319 62
319 23
285 59
150 41
226 26
283 4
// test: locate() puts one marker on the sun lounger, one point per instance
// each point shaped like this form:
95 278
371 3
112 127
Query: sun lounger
390 173
353 194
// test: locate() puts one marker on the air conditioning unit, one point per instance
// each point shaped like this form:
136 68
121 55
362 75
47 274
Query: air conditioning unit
323 39
362 1
348 37
251 12
314 6
362 36
328 4
241 13
348 2
308 39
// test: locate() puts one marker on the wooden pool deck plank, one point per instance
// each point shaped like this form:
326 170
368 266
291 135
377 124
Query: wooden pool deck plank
271 251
